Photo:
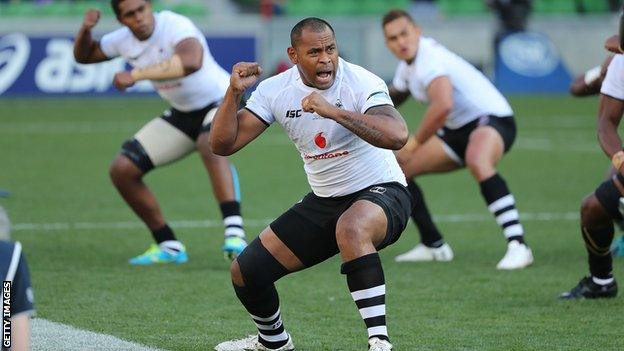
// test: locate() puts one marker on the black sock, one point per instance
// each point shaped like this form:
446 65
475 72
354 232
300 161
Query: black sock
163 234
232 219
263 306
429 233
366 282
502 205
598 245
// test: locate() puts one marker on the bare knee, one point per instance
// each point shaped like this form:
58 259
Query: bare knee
480 167
123 170
237 275
592 213
349 234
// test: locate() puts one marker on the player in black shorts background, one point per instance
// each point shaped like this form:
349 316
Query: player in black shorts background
468 123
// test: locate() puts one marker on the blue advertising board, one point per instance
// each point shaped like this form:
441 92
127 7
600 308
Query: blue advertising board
45 66
529 62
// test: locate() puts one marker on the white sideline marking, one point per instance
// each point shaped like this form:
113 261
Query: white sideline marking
190 223
48 335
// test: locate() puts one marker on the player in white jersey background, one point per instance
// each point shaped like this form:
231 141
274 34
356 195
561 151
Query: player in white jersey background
342 121
605 204
171 52
467 123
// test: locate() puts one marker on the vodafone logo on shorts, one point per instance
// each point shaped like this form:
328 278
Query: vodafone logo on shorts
14 53
320 140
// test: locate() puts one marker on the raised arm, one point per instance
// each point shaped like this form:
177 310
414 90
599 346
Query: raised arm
231 130
87 50
381 126
398 97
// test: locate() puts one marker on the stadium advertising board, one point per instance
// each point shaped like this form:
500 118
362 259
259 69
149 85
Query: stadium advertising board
46 66
529 62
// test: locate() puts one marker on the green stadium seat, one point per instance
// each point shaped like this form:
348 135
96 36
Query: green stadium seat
462 7
554 6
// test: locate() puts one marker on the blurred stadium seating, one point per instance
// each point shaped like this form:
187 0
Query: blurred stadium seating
34 8
303 7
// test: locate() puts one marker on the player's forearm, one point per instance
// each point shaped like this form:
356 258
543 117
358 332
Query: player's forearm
84 45
610 141
383 131
224 127
434 119
167 69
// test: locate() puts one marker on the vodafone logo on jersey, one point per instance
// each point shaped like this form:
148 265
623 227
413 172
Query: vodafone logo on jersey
14 53
320 140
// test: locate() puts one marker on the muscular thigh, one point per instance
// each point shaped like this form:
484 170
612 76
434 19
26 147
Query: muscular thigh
389 218
308 228
163 143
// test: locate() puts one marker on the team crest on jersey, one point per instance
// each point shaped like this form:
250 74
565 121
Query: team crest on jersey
338 103
377 189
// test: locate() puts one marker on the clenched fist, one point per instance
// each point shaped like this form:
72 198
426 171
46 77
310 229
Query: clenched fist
91 18
244 75
123 80
316 103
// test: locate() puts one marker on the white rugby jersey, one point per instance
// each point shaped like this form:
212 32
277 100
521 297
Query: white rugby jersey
192 92
613 84
336 161
473 94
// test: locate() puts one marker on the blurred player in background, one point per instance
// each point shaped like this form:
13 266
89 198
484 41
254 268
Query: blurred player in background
171 52
600 209
341 119
13 268
467 123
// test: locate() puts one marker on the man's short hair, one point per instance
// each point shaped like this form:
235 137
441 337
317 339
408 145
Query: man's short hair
314 24
115 6
395 14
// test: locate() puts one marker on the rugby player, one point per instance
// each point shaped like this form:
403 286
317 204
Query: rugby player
467 123
171 52
342 121
604 206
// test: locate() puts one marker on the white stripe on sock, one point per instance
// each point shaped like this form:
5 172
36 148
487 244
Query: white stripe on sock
171 246
273 326
508 216
268 319
501 203
233 220
275 338
235 231
513 230
373 311
368 293
380 330
602 281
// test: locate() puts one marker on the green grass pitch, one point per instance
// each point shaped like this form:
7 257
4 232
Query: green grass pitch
78 235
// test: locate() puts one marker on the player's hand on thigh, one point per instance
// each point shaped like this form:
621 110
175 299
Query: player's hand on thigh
407 152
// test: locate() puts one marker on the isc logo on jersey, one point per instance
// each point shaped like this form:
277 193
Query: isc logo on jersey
293 113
